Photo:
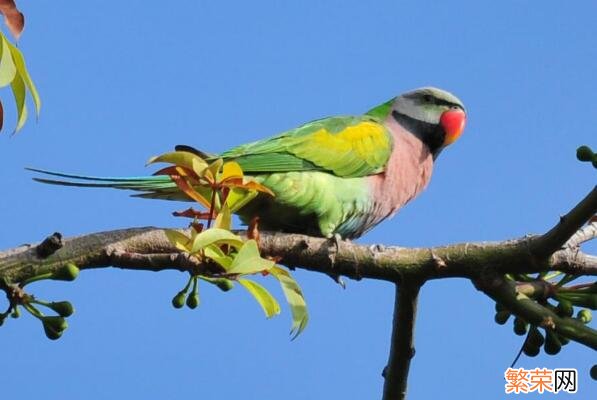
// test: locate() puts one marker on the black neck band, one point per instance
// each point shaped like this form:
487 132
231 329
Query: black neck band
431 134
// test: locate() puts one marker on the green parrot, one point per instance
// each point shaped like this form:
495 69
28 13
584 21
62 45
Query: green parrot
336 176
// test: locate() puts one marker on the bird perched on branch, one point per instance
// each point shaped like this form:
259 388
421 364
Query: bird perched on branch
336 176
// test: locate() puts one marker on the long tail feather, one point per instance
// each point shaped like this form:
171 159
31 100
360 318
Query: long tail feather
160 186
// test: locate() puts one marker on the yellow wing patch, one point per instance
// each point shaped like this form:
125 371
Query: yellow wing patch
357 150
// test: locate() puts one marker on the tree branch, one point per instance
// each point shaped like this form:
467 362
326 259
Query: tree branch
568 225
484 263
402 348
506 292
149 249
583 235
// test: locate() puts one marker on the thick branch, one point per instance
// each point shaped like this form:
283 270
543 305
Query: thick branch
402 348
149 249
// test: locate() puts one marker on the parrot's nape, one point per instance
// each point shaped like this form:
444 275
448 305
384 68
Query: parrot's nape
333 176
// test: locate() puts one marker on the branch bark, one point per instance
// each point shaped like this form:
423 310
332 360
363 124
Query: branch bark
568 225
148 249
484 263
402 348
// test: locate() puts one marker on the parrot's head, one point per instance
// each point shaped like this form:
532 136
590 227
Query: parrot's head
433 115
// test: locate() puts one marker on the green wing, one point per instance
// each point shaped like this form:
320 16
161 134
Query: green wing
344 146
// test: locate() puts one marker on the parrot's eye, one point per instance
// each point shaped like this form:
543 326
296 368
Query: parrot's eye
427 98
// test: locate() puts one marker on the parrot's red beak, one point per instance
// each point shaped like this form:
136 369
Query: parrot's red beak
453 122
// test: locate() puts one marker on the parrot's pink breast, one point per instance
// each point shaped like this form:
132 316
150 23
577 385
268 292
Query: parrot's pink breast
407 173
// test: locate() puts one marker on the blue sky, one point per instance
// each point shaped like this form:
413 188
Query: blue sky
120 84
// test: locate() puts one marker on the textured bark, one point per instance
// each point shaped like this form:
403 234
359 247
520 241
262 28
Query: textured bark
486 264
402 348
148 248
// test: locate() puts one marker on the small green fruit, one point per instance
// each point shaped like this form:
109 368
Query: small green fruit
584 153
178 300
193 301
68 272
224 284
565 308
520 327
563 339
51 333
531 350
535 337
501 317
552 343
16 313
584 315
54 326
62 308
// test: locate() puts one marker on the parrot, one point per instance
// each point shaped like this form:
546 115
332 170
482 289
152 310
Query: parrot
332 177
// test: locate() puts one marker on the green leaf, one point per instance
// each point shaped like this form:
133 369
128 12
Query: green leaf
267 302
249 261
238 198
19 62
211 172
294 297
224 219
182 159
215 236
178 239
8 69
215 253
19 91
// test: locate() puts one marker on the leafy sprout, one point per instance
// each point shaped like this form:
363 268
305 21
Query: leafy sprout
222 189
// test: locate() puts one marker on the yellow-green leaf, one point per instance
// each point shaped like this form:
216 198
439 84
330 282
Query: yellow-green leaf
238 198
249 261
179 240
267 302
183 159
224 218
18 90
8 69
215 236
231 170
294 297
19 62
211 172
217 255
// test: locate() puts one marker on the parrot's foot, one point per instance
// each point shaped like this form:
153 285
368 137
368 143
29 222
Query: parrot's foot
333 250
253 229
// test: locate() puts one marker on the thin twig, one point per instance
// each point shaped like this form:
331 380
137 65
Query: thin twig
402 348
569 224
583 235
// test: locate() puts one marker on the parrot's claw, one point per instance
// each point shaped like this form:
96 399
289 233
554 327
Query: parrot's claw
338 279
253 229
333 250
